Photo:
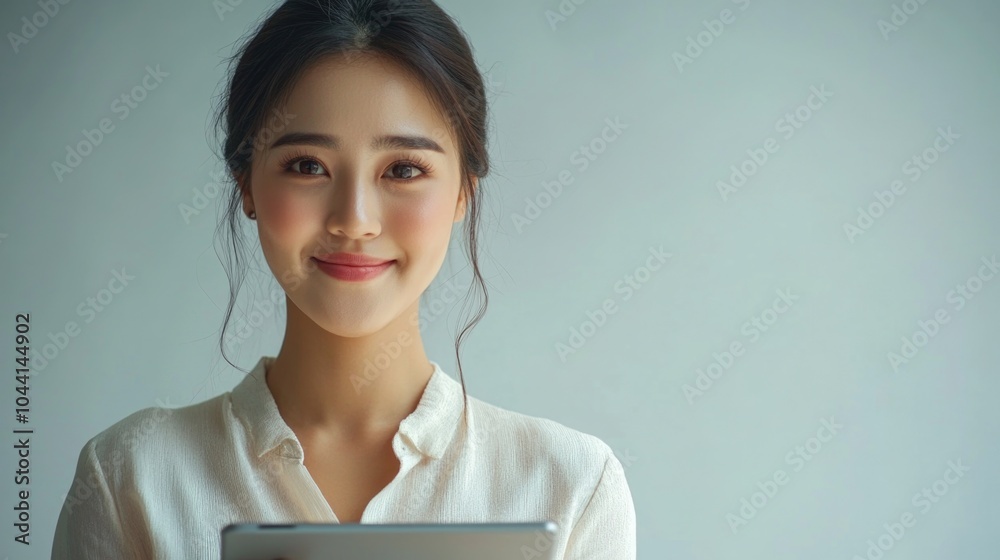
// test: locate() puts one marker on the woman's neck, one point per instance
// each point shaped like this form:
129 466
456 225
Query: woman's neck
359 387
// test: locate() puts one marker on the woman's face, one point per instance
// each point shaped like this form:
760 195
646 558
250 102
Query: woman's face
333 180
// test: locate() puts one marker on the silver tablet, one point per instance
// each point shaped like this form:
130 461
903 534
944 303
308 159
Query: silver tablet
368 541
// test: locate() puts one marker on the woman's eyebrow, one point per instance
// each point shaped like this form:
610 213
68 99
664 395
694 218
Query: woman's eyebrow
390 142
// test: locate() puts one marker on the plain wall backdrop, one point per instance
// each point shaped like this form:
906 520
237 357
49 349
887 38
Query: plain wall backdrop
826 170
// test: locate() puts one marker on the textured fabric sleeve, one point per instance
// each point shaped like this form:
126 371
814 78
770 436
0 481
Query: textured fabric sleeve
89 527
606 528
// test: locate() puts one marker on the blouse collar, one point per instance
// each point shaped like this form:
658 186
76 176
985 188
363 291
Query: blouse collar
429 428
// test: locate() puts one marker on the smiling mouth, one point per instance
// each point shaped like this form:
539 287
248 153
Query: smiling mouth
352 259
353 273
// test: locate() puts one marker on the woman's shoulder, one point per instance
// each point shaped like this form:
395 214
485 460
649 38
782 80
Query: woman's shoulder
540 468
536 441
158 430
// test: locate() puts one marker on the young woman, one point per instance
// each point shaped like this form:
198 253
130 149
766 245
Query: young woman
355 133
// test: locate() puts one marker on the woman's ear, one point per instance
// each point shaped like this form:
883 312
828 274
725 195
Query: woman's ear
462 205
243 184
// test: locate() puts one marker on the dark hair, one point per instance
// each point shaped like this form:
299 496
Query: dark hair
416 34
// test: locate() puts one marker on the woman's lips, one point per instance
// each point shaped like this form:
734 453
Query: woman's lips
352 273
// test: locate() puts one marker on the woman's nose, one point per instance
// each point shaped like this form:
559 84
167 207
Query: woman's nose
354 209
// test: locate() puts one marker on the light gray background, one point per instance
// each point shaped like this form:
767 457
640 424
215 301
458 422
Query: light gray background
689 462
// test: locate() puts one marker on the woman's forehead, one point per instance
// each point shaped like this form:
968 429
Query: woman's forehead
359 94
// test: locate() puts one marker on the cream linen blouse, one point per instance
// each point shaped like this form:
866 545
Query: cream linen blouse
162 483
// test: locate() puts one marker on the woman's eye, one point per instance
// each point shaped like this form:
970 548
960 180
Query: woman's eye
307 167
405 171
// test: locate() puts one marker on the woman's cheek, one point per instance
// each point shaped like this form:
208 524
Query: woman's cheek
423 220
289 215
285 223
